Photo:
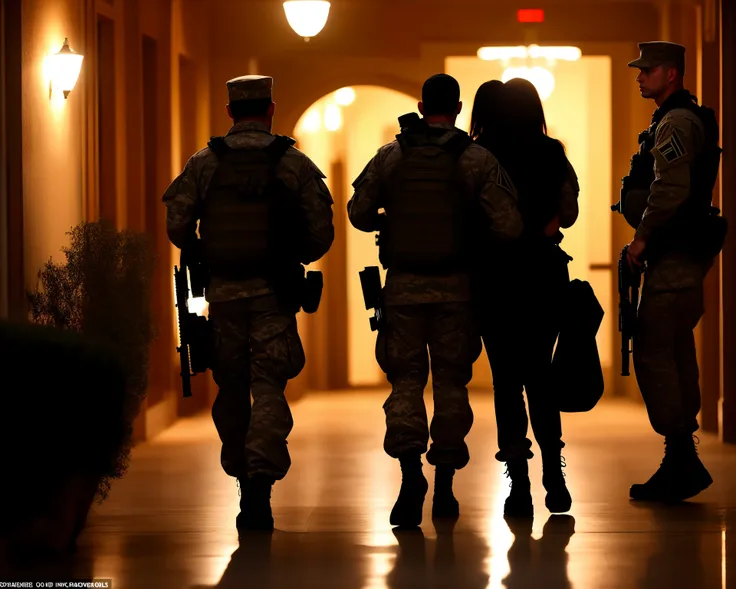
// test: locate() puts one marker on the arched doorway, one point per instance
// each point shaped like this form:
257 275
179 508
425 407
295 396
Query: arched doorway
341 132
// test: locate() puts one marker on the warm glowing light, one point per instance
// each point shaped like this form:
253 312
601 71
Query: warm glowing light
307 17
542 78
550 53
333 117
345 96
311 122
64 68
502 53
555 53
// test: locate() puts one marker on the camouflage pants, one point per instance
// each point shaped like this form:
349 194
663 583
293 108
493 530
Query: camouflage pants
444 333
664 345
257 350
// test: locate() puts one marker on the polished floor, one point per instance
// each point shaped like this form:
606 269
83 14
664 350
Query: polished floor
170 522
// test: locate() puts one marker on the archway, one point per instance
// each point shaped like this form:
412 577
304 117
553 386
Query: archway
341 132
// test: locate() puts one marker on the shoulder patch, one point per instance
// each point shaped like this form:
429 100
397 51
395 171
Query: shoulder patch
504 181
673 148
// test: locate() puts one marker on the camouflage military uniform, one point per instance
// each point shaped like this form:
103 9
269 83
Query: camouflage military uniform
672 294
257 346
432 312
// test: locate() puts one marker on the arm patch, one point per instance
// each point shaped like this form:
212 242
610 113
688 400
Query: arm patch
672 149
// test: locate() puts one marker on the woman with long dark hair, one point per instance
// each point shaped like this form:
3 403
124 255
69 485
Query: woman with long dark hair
522 286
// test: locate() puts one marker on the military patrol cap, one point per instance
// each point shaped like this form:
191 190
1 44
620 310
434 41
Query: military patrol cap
249 88
654 53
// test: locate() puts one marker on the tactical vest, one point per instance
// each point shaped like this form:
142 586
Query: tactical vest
250 220
427 206
703 170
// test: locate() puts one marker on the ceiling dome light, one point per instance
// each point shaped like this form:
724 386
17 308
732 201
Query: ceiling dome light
307 17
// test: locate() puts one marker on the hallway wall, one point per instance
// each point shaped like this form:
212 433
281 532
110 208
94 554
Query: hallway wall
127 101
53 182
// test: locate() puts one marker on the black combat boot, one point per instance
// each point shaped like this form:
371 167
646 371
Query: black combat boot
558 498
444 504
519 502
255 504
680 476
407 512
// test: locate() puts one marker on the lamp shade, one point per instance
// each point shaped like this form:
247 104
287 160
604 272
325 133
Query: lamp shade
65 67
307 17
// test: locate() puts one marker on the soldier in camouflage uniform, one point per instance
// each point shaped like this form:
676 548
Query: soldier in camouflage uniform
439 192
231 188
667 198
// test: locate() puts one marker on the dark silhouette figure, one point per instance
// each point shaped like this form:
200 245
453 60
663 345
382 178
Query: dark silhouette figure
522 285
262 212
439 192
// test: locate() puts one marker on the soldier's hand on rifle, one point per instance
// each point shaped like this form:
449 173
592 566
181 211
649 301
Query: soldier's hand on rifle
635 253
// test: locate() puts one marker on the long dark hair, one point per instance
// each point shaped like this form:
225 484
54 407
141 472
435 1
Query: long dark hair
509 121
487 109
524 110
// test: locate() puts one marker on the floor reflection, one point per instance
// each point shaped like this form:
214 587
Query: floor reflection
543 562
169 523
677 558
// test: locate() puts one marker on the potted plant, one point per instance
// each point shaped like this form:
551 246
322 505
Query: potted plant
86 366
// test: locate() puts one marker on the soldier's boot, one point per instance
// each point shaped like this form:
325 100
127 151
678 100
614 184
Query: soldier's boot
255 505
558 498
444 504
681 475
407 511
519 502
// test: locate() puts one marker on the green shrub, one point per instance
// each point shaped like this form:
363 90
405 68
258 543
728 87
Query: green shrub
103 291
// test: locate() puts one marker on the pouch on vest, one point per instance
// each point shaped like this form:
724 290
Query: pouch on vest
249 218
427 208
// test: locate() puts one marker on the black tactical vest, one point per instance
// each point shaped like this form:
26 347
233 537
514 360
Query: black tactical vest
250 219
704 169
427 206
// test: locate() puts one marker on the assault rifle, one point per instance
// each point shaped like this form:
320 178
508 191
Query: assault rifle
628 293
195 339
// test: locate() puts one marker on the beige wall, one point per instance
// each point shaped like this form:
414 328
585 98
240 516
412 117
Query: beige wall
53 189
60 147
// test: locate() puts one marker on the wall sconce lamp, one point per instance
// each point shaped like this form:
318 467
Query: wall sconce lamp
307 17
64 69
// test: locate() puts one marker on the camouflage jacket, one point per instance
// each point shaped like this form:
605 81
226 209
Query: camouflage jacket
296 170
485 177
679 139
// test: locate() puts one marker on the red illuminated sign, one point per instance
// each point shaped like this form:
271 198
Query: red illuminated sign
530 15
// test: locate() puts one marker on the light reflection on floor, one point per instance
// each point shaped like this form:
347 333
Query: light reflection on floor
170 522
